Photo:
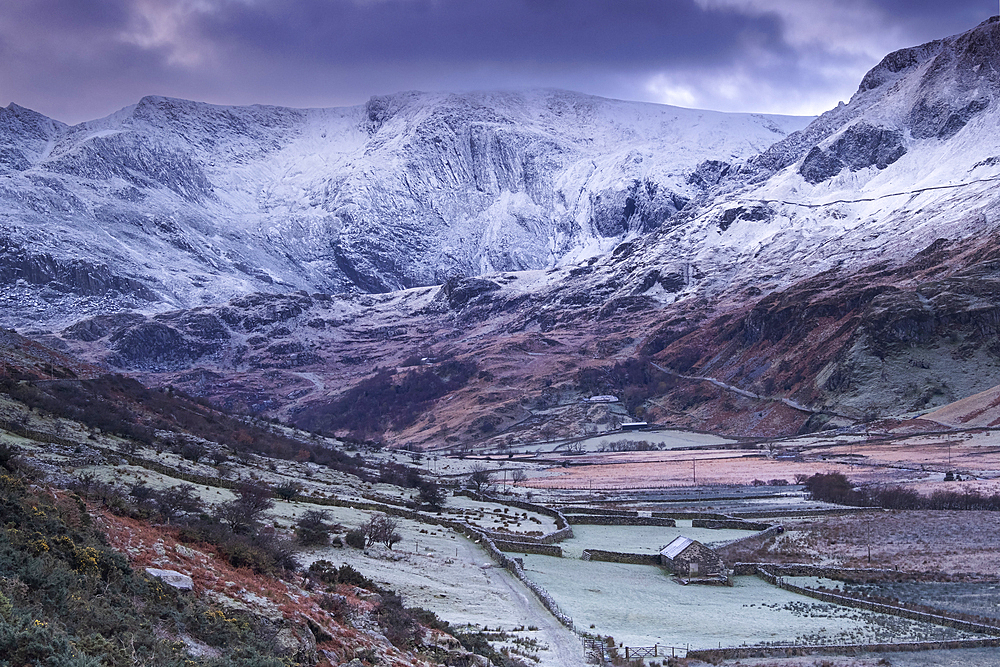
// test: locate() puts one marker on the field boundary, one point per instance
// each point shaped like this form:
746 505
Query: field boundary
620 557
620 520
738 652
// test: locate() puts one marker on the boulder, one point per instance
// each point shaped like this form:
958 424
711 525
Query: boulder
178 580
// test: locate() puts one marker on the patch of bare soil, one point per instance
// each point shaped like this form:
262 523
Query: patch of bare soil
942 545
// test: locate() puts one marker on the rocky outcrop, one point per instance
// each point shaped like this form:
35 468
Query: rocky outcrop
67 275
172 578
459 291
860 146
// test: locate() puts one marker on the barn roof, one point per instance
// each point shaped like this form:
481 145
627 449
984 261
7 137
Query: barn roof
675 548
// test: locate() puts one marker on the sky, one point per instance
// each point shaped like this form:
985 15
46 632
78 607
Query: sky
76 60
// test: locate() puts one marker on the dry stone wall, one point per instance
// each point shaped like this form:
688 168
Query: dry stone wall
733 524
599 510
619 520
619 557
529 548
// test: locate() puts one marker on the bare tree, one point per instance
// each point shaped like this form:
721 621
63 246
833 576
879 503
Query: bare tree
481 478
177 501
244 513
382 529
517 475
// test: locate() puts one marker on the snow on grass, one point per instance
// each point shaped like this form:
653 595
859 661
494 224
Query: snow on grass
639 539
450 575
669 439
491 516
642 605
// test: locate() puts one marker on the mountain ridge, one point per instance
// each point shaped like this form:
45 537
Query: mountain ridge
185 202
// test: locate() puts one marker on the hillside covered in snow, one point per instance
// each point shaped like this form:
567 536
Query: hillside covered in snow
171 203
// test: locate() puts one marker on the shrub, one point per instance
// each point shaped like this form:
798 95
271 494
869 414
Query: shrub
288 490
68 600
324 571
355 538
177 502
313 528
338 606
832 487
245 512
398 624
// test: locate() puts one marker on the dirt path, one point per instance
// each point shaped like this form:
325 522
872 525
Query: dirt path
564 647
795 405
454 577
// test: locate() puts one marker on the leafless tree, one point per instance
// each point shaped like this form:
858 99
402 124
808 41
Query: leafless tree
517 475
244 513
382 529
481 478
177 501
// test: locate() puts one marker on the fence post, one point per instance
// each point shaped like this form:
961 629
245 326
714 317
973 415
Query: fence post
626 652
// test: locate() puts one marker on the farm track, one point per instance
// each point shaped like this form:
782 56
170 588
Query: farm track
564 647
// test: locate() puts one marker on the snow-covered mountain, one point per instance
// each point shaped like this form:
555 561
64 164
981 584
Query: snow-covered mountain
847 272
913 157
171 203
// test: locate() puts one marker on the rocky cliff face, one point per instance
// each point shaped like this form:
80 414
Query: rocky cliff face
172 203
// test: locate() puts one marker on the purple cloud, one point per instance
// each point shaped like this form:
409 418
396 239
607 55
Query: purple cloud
75 61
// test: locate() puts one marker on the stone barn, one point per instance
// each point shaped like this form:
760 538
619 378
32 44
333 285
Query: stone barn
693 561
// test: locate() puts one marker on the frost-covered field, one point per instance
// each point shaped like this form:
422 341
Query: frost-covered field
640 539
641 605
667 439
980 599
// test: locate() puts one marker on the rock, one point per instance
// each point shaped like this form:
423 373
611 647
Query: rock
172 578
459 291
188 552
860 146
299 644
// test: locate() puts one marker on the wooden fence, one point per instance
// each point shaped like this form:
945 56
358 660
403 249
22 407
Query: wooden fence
600 652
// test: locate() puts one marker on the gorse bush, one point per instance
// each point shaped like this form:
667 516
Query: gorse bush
68 600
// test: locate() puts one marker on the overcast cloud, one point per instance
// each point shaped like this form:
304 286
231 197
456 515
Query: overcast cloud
76 60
